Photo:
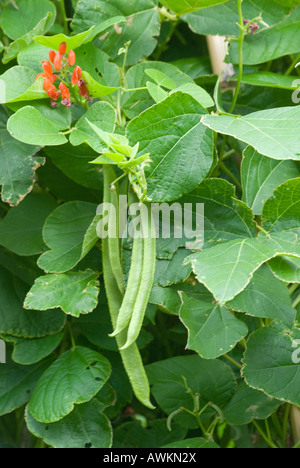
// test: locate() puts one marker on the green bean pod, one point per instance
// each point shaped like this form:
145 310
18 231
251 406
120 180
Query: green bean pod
147 278
114 241
131 357
132 288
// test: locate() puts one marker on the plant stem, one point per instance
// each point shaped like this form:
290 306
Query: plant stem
293 64
233 361
71 335
264 436
285 422
241 66
296 301
230 174
293 288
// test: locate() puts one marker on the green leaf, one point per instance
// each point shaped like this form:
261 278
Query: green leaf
172 271
17 165
85 427
74 163
195 442
286 269
21 229
15 47
228 268
100 114
273 133
258 47
29 126
133 435
160 78
157 93
97 63
222 19
19 322
17 22
74 378
73 42
260 176
64 233
248 404
135 102
31 351
31 57
265 297
180 147
269 79
269 366
198 93
60 116
97 90
182 7
142 25
282 211
18 84
212 330
17 383
75 293
212 379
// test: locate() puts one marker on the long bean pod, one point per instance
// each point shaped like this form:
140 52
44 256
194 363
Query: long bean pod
131 357
147 277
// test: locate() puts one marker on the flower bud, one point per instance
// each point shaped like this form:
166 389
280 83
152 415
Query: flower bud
64 91
47 67
52 55
57 62
76 75
62 48
72 58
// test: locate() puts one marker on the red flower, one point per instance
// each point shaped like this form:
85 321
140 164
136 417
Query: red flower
72 58
51 90
62 48
51 77
47 67
52 55
64 91
57 62
76 75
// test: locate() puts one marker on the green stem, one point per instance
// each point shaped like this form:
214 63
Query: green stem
230 174
297 445
296 301
233 361
292 67
285 422
64 16
126 90
241 66
293 288
71 335
264 436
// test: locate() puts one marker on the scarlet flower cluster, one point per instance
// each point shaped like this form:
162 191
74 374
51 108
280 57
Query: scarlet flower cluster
61 65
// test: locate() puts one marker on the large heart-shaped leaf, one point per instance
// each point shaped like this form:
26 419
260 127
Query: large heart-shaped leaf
74 378
261 175
64 233
75 293
228 268
213 330
31 351
270 364
180 147
273 133
29 126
